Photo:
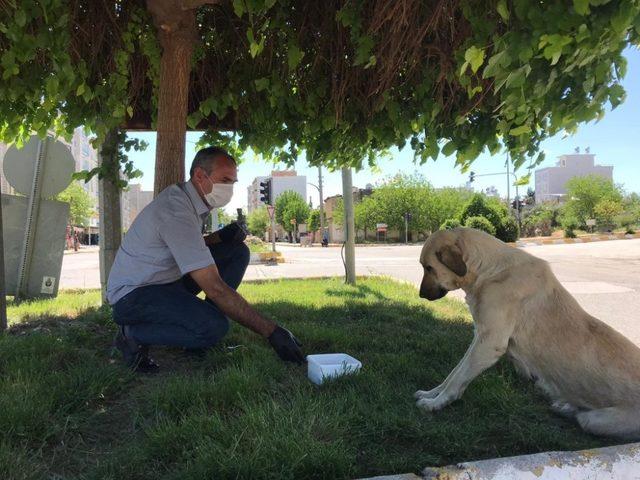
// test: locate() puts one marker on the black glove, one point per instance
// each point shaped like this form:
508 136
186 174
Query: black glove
286 345
232 233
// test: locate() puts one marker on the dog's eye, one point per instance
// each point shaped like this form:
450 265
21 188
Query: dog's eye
429 268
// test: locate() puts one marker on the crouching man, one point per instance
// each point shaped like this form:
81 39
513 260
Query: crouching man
164 262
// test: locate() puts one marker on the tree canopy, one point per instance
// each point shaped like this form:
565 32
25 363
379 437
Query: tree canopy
341 80
291 206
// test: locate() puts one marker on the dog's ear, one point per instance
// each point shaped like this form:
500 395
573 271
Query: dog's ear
451 257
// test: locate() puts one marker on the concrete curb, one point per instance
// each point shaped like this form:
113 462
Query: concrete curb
266 258
581 239
621 462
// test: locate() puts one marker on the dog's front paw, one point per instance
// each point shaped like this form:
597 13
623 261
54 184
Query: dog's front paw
433 393
432 404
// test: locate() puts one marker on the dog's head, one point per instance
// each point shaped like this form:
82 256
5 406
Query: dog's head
443 264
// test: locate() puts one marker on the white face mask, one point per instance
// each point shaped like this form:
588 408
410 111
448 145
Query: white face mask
220 194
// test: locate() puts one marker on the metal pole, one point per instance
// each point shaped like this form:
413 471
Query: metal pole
32 218
273 232
321 203
349 227
3 291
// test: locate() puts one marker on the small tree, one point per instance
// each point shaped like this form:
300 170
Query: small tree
291 206
313 222
80 202
225 218
366 214
606 211
478 206
258 221
480 223
584 193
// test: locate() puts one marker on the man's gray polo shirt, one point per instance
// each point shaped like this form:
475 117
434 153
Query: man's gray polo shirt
163 243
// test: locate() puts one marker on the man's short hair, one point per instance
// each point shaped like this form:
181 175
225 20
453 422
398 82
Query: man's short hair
207 158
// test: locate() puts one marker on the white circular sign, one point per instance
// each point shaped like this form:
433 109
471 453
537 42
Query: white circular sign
58 166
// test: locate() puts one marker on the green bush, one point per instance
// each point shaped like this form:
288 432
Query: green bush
569 224
509 230
478 206
540 220
480 223
450 224
627 221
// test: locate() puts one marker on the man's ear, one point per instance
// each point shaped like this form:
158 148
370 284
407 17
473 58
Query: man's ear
451 257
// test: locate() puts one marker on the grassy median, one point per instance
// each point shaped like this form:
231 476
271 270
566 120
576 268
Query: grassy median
69 409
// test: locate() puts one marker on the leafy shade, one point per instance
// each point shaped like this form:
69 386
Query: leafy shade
343 81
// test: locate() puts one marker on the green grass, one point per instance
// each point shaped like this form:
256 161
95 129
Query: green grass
69 409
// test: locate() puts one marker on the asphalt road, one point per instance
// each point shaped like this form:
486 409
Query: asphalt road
603 276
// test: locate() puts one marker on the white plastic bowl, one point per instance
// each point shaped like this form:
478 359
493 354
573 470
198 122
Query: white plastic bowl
330 365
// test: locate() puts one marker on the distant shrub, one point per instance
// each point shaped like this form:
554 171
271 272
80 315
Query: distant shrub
569 224
478 206
480 223
509 230
450 224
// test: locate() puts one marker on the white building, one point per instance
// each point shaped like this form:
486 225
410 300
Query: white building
550 182
281 181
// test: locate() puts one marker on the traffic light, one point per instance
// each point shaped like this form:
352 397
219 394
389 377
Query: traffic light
472 176
407 216
265 191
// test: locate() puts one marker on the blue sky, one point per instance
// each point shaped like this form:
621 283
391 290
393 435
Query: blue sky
614 141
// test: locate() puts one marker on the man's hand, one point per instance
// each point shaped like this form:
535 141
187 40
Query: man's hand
232 233
286 345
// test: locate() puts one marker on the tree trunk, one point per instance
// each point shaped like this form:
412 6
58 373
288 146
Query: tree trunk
110 216
175 21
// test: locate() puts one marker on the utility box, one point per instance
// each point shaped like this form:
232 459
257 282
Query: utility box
48 245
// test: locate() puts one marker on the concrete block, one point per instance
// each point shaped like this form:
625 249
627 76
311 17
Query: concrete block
620 462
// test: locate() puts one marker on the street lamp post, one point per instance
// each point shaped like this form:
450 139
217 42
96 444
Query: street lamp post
515 177
319 188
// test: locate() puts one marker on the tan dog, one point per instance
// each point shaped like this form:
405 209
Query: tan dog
590 371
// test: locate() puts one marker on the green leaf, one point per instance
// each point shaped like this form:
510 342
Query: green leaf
80 89
616 95
623 17
503 10
581 6
256 48
475 57
449 148
262 83
238 7
520 130
294 56
524 180
21 18
130 111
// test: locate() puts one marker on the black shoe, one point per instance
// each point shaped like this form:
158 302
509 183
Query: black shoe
135 356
